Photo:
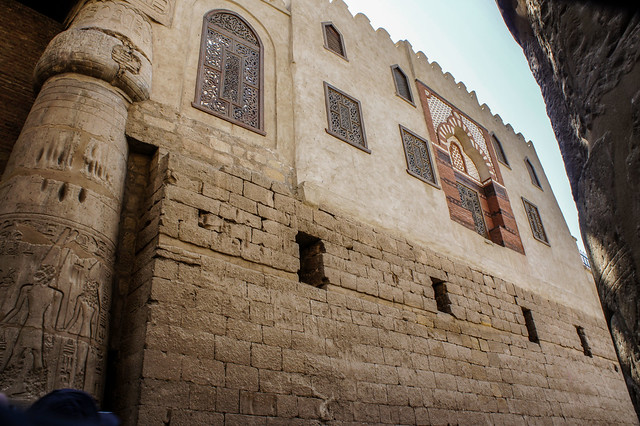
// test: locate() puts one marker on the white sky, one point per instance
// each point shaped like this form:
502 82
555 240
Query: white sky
469 39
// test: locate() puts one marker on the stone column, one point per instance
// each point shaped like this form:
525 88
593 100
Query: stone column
60 201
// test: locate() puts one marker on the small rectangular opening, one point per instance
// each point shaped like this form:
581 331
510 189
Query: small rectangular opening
531 326
583 341
311 261
442 296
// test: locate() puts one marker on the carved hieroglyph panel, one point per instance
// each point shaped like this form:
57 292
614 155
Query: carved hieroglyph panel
55 287
158 10
119 17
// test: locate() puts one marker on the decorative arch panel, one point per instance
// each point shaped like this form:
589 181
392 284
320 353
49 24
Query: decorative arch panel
468 170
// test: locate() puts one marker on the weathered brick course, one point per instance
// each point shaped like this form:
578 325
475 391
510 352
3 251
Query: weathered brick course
233 329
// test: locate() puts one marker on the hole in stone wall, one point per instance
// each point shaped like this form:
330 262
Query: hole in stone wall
82 195
311 262
583 341
62 193
531 326
442 296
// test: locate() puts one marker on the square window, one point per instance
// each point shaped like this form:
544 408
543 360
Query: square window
344 118
470 201
403 88
333 40
416 150
535 222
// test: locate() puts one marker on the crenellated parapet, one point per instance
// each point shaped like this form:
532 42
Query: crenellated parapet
421 62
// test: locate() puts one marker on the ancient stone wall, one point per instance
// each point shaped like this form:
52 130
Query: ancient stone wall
24 34
245 290
232 335
585 56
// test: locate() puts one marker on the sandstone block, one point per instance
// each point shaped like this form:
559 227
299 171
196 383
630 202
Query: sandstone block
161 365
241 377
232 350
258 194
259 404
203 371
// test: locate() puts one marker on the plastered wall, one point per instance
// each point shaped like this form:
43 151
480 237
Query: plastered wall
376 188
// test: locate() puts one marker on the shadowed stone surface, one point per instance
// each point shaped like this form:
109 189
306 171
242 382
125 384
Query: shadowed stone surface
585 57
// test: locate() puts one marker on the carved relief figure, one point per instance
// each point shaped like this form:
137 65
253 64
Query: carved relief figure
84 319
7 278
37 303
9 241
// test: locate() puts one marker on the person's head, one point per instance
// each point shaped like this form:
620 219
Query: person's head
65 406
4 401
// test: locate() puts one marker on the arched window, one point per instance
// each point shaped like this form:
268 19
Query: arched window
403 89
532 173
457 160
497 146
229 82
333 39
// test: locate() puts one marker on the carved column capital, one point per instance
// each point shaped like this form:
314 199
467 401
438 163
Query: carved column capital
109 40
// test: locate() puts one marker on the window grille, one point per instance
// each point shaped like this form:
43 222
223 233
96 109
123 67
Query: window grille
532 173
402 83
344 117
535 222
497 145
456 157
418 157
470 201
333 39
230 74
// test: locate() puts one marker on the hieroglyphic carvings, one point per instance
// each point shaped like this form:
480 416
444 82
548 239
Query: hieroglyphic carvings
126 58
158 10
54 304
118 17
97 160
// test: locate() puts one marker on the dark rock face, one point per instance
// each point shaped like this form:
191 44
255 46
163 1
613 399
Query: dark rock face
585 57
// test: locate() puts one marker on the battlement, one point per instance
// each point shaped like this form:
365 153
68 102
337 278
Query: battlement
472 107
